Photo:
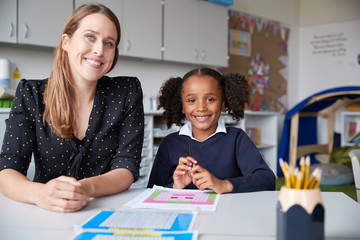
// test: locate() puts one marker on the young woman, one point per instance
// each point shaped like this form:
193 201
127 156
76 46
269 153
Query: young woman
204 154
84 129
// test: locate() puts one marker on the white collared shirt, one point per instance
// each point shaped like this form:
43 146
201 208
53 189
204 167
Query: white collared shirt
187 130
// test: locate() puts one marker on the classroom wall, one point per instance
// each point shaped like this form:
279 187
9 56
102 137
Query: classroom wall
309 74
35 62
286 12
327 11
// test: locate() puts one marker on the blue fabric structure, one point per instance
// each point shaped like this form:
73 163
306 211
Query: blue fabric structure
307 133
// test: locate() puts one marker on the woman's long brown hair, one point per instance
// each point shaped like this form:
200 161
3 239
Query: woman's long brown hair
59 112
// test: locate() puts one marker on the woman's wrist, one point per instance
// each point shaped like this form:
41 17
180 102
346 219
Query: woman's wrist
88 187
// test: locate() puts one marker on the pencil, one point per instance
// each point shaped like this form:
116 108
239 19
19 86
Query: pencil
298 178
318 179
282 165
307 171
312 179
302 171
287 180
292 176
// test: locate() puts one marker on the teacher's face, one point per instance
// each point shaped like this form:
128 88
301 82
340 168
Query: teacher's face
91 48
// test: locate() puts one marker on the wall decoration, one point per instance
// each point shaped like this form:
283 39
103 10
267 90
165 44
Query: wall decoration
240 42
258 49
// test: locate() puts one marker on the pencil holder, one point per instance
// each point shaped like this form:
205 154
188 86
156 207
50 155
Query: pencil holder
300 214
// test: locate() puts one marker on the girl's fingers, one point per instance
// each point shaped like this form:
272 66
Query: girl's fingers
188 161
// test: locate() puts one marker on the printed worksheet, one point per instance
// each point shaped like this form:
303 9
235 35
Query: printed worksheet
136 220
135 236
175 199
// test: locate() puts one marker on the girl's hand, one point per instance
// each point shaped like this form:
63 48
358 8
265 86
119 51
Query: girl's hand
203 179
62 194
182 175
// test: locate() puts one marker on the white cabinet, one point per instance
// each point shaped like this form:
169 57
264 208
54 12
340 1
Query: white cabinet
8 21
350 124
34 22
142 29
195 32
141 26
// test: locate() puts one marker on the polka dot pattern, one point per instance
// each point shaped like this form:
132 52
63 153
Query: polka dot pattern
113 139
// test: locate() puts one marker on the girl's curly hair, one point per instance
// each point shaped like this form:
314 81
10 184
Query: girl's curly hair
235 89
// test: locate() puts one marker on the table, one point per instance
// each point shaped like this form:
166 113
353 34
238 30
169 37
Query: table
238 216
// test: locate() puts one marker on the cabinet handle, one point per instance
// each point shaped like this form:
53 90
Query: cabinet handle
127 45
26 30
11 30
203 55
196 54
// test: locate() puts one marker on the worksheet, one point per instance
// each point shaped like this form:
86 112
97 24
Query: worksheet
140 220
175 199
135 236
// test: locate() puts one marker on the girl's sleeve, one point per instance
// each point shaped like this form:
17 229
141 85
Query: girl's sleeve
131 131
257 176
162 171
19 138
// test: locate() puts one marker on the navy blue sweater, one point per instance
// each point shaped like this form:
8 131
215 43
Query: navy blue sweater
232 156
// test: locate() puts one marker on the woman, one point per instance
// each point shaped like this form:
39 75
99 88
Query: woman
85 129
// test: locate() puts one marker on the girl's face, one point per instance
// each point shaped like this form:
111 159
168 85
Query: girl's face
91 49
202 103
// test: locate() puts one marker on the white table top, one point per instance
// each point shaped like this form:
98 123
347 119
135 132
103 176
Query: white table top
238 216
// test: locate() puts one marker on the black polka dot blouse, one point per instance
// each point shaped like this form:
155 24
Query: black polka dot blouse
113 139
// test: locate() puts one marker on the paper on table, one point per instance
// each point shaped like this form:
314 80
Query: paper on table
175 199
140 220
136 236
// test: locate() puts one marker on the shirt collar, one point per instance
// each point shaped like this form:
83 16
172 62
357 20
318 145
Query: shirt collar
187 130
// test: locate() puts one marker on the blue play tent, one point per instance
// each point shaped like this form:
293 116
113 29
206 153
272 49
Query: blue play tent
305 134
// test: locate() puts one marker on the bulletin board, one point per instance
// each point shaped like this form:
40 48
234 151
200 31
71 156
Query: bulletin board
258 49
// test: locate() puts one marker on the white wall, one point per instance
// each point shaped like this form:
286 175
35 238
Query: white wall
329 56
317 12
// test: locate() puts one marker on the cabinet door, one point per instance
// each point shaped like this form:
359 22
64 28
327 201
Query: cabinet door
8 21
180 30
213 25
40 22
141 29
116 7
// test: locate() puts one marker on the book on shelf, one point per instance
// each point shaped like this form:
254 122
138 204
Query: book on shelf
351 129
355 138
254 134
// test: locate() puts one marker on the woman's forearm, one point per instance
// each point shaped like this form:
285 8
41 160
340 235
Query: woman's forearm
18 187
112 182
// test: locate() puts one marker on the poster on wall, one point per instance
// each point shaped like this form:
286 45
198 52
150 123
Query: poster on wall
258 50
240 42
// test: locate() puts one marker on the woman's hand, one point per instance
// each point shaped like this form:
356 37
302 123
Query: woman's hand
203 179
62 194
182 175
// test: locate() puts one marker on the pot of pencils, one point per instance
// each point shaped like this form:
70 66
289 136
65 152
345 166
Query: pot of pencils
300 209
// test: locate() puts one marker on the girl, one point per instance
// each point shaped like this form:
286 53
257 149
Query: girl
204 154
85 129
